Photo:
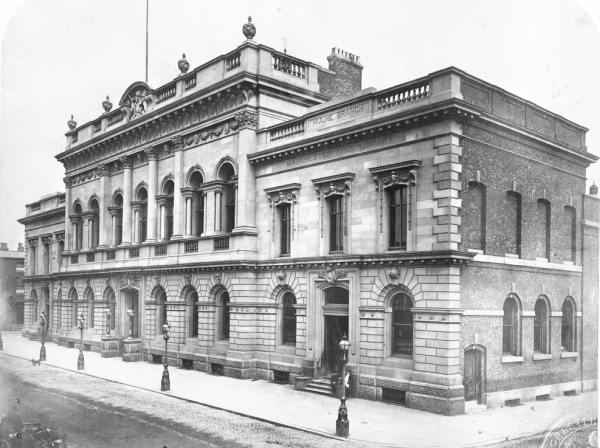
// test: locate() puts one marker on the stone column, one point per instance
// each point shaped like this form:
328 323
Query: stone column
205 217
218 205
127 167
152 154
245 207
113 211
188 196
105 201
162 217
74 220
135 230
68 200
177 198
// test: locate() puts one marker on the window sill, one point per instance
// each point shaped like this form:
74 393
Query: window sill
569 354
510 359
541 356
191 341
285 349
404 362
511 256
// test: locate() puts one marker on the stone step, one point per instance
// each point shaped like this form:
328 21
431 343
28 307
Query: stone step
318 390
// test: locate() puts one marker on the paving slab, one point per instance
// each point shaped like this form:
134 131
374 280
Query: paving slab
370 421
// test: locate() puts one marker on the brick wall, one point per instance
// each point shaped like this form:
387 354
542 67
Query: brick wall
346 80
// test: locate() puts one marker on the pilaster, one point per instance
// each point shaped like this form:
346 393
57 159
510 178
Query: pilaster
152 154
127 167
246 192
105 200
177 198
68 199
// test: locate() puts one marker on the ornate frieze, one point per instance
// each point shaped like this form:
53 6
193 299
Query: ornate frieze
102 170
247 120
330 275
138 104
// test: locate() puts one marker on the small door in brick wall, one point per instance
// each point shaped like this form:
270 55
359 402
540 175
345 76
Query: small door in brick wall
473 380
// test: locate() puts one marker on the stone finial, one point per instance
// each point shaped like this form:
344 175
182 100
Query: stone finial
107 105
594 189
249 29
72 123
183 64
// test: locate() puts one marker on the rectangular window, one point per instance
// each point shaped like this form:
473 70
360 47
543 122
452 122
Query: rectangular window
199 214
286 227
46 258
398 217
143 221
336 224
169 217
229 209
79 236
61 248
119 235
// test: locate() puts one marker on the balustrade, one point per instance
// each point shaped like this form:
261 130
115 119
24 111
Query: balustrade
290 66
190 82
165 93
75 137
403 94
287 130
221 243
190 246
97 126
233 61
114 118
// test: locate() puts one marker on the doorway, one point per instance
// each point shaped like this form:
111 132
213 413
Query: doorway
131 302
474 374
335 326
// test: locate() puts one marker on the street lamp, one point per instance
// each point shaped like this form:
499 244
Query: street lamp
80 361
42 327
165 383
107 322
342 425
130 313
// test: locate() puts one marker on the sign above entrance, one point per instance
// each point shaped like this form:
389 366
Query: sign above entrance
336 116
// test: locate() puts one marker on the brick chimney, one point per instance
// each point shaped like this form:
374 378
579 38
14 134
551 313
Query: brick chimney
344 76
3 246
20 248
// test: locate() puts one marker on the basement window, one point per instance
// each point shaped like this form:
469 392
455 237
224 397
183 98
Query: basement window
393 396
279 376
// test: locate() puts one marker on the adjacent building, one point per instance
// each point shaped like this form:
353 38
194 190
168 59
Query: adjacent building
12 269
265 206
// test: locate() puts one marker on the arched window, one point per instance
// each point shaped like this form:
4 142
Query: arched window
543 231
110 299
192 300
567 328
475 217
196 182
336 223
288 319
142 197
402 325
398 196
78 235
89 298
95 230
223 316
511 327
168 191
118 219
541 327
512 218
570 225
285 229
227 175
161 299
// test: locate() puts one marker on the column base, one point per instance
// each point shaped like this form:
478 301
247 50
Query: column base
101 247
110 347
176 237
152 241
132 350
124 244
246 229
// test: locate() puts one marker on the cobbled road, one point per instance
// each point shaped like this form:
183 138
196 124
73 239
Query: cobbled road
90 412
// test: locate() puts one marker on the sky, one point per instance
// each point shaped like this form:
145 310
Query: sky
62 57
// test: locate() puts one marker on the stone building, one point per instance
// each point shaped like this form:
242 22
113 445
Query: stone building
265 206
12 269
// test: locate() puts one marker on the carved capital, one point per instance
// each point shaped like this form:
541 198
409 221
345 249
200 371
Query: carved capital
282 198
68 182
126 162
103 170
151 153
47 239
33 242
59 237
177 142
247 120
340 188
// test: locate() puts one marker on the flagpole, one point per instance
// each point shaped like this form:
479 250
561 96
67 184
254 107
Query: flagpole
147 4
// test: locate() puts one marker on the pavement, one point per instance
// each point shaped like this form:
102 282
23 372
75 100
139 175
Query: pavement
370 421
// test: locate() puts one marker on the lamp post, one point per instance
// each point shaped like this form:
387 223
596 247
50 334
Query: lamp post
130 313
80 361
165 383
107 313
42 328
342 425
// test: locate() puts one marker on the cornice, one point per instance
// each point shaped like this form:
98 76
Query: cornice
42 215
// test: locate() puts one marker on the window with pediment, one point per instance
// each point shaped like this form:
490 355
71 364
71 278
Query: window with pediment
395 203
283 202
334 213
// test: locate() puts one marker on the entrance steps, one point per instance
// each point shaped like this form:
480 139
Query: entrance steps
321 386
